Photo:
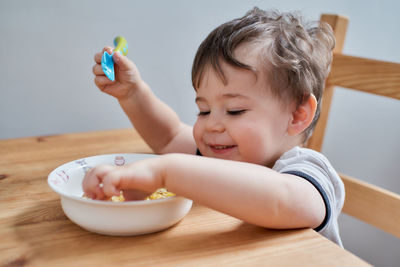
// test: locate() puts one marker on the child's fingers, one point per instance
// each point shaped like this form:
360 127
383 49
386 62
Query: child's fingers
92 188
97 70
122 61
98 56
108 49
102 82
111 183
93 182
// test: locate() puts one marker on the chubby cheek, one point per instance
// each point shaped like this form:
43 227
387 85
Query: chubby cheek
250 145
197 133
263 145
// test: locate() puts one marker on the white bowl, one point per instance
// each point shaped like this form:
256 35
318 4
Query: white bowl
113 218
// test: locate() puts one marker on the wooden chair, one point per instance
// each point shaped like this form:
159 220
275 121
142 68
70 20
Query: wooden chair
367 202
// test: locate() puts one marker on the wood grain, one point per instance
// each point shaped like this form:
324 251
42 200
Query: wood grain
366 75
372 204
35 232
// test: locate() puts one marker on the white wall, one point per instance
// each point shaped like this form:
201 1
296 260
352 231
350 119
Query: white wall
46 85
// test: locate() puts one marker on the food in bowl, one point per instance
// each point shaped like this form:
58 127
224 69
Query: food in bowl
158 194
109 217
119 198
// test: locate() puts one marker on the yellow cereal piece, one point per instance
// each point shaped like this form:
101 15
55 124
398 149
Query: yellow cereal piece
119 198
160 193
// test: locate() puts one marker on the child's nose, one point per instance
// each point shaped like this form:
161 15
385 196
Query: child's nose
214 124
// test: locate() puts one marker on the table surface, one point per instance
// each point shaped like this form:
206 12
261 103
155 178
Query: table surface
35 231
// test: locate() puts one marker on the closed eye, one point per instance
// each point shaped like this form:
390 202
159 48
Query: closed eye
203 113
236 112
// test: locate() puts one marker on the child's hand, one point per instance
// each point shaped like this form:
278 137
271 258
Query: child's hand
127 77
105 181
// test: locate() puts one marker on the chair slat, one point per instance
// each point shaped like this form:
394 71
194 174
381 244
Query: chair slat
339 27
368 75
372 204
369 203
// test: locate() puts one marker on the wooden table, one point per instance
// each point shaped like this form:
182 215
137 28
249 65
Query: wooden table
35 232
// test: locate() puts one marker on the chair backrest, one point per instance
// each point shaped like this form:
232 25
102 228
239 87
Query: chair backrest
369 203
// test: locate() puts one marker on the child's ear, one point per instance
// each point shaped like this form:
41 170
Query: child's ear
303 116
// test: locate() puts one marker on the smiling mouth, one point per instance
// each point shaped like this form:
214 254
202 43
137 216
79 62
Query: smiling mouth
221 148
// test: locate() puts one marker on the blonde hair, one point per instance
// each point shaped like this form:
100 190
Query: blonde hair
296 56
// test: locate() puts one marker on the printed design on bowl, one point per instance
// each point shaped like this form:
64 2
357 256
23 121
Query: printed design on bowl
85 166
119 161
61 178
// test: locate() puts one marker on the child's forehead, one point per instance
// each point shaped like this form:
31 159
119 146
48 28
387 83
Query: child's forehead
229 76
235 81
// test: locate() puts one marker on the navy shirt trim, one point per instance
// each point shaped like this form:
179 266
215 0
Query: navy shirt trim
321 191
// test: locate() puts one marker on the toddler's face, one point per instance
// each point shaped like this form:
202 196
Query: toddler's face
240 120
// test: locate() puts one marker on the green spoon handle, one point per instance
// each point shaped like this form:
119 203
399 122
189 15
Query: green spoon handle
121 45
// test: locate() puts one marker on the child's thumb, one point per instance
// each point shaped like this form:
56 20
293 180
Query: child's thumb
123 62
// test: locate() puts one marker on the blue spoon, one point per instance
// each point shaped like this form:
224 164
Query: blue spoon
107 62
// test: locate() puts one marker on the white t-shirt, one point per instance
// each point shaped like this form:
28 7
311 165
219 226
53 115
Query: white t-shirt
315 168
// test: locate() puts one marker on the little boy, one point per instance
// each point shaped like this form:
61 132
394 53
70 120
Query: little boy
258 82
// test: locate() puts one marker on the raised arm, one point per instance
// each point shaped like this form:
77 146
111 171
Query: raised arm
155 121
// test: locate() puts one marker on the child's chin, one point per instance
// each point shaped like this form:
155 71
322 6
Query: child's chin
227 156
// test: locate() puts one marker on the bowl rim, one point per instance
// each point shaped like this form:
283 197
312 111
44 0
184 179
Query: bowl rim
103 202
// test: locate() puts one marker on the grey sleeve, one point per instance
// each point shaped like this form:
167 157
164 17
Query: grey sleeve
315 168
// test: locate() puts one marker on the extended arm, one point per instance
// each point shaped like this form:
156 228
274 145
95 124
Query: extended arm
250 192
